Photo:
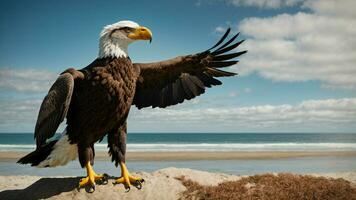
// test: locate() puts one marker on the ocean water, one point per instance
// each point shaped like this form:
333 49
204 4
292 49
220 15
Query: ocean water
203 142
153 142
303 165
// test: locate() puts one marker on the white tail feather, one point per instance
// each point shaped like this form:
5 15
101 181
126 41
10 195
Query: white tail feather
62 153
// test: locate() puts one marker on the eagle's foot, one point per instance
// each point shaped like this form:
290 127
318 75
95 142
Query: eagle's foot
102 178
92 178
129 180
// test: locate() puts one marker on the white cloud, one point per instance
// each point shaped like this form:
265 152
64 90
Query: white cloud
18 115
233 94
266 3
344 8
312 116
26 80
304 46
220 29
262 4
247 90
330 115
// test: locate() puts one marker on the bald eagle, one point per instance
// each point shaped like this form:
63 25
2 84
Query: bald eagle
96 100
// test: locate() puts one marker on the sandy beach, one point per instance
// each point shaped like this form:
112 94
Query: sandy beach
159 156
164 184
25 182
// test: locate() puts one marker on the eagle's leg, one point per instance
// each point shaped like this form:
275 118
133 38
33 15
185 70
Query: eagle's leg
117 150
86 158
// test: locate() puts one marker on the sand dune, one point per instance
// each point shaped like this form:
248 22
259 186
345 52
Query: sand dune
162 184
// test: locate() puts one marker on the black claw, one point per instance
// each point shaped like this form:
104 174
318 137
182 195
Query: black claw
138 185
104 182
105 179
91 189
142 180
127 189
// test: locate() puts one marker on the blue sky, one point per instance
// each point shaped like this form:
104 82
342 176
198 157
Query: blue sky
65 33
289 82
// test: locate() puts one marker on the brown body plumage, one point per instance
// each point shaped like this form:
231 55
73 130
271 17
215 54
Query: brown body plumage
101 103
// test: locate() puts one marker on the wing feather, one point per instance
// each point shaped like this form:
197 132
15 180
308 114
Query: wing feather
222 39
54 108
220 64
228 56
226 49
170 82
229 42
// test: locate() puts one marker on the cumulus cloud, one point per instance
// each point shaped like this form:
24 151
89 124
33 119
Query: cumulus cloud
316 45
266 3
329 115
26 80
18 115
345 8
311 115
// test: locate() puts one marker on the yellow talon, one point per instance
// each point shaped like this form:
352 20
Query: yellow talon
127 179
91 178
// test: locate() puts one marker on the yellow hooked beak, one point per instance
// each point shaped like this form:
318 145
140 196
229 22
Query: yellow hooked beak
141 33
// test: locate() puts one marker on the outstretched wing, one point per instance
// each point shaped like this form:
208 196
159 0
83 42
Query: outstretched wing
170 82
54 108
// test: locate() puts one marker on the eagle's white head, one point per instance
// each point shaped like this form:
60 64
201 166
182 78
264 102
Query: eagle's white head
115 38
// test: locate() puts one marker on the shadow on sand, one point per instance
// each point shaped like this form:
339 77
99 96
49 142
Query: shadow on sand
43 188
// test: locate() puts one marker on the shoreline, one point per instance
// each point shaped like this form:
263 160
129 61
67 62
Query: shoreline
196 155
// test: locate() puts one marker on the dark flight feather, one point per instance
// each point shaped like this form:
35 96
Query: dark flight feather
54 108
185 77
220 64
219 73
226 49
228 42
228 56
221 40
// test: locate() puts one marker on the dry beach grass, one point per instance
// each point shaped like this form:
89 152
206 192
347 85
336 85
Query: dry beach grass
273 187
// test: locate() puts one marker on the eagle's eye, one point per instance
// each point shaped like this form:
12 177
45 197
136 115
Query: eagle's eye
126 29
